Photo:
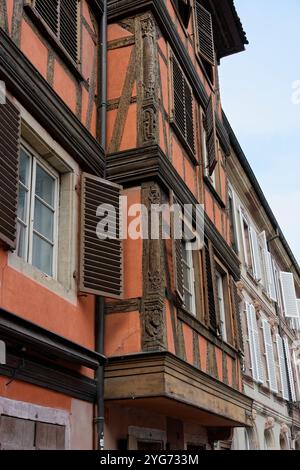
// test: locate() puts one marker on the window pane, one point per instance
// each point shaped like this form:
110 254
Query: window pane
21 240
42 256
45 186
24 168
43 220
22 204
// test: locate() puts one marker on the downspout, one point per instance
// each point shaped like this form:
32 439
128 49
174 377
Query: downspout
99 301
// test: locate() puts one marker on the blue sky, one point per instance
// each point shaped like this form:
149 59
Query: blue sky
256 87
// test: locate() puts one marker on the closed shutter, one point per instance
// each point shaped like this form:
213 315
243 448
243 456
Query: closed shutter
270 356
49 436
205 34
289 368
237 316
211 287
183 106
282 366
251 341
62 18
289 295
256 254
101 267
212 152
10 128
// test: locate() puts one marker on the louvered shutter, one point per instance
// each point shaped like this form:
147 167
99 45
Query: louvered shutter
251 341
183 105
271 277
101 267
211 287
289 368
210 121
49 11
289 295
282 366
256 341
270 356
297 367
10 128
255 254
205 34
237 316
62 18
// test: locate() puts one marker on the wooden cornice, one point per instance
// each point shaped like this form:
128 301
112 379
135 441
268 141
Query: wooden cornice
36 95
151 163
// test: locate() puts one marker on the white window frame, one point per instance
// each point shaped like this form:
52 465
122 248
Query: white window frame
270 358
35 159
188 266
254 344
221 303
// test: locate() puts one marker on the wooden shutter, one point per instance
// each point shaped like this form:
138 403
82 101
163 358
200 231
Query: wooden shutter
289 295
183 106
235 301
255 254
177 253
10 128
101 266
210 275
282 366
49 11
49 436
270 356
289 368
62 18
205 34
212 151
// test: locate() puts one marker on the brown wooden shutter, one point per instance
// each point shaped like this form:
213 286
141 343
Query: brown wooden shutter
49 11
183 106
101 266
211 286
177 255
205 34
237 320
10 128
211 136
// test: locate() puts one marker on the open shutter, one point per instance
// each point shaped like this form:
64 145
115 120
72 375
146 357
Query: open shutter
68 26
256 341
289 295
101 266
289 368
212 152
256 255
270 356
297 367
282 366
251 342
211 286
205 34
10 128
237 316
271 277
49 11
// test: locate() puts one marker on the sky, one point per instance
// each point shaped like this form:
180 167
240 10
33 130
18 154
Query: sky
264 109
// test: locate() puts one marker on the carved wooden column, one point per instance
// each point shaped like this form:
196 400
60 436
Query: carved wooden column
153 310
148 82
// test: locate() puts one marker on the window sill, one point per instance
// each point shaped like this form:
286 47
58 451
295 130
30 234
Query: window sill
214 192
50 36
183 142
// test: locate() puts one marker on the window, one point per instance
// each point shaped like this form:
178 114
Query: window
251 248
37 213
232 220
184 9
205 42
61 16
183 113
246 241
221 303
188 279
211 176
270 357
254 344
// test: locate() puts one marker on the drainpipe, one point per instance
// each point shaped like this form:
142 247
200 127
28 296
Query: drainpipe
99 301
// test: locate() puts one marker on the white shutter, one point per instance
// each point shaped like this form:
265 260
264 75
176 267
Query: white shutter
255 254
243 237
259 364
262 239
282 366
289 295
271 278
251 342
270 356
297 367
289 368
